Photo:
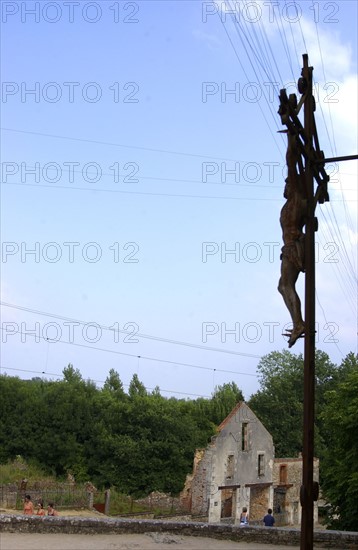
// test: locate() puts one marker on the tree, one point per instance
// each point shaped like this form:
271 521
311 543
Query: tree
279 402
65 425
20 407
71 375
224 400
113 384
340 459
136 388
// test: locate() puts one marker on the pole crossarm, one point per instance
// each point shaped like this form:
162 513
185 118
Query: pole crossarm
337 159
312 155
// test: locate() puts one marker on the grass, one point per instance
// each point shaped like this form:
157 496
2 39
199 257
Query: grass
123 504
18 469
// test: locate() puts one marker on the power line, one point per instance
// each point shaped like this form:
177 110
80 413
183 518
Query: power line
327 324
175 180
116 352
333 142
137 334
148 193
112 144
103 381
247 78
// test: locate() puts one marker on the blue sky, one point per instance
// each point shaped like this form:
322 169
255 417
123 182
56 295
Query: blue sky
132 172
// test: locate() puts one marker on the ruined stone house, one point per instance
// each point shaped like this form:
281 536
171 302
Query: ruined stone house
238 468
287 478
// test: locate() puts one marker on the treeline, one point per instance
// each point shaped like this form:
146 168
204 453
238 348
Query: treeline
136 441
141 442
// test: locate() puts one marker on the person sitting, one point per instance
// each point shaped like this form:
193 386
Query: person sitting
40 508
244 517
269 520
28 506
51 510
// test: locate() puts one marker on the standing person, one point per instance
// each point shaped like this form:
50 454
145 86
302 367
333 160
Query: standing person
269 520
51 510
28 506
244 517
40 508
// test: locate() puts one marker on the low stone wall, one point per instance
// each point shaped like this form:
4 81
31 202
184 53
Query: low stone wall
338 540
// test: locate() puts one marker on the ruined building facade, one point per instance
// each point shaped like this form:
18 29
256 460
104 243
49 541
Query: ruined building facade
238 468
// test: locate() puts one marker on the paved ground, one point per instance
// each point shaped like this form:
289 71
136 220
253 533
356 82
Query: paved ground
151 541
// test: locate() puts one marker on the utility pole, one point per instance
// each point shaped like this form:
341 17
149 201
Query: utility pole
305 163
308 495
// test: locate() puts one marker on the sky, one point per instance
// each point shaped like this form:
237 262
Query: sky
142 182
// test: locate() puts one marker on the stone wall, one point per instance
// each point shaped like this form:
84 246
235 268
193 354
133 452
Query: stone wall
335 540
8 495
290 497
240 456
201 481
294 470
259 499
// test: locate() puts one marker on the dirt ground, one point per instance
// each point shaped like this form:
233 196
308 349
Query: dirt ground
84 512
150 541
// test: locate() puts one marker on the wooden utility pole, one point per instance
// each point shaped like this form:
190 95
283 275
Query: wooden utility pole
310 168
307 490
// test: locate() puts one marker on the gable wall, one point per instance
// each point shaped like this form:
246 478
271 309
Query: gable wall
229 441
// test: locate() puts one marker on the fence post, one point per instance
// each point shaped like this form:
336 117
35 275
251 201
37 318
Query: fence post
107 498
90 500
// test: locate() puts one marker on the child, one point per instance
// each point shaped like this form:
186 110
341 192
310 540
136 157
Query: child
40 508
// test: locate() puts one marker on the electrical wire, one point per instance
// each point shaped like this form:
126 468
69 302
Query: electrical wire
137 334
248 80
113 144
116 352
147 193
327 325
103 382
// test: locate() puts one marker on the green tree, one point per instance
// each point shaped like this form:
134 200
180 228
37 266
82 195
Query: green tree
72 375
279 402
65 424
20 409
152 445
340 459
138 441
113 384
111 417
136 388
224 400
